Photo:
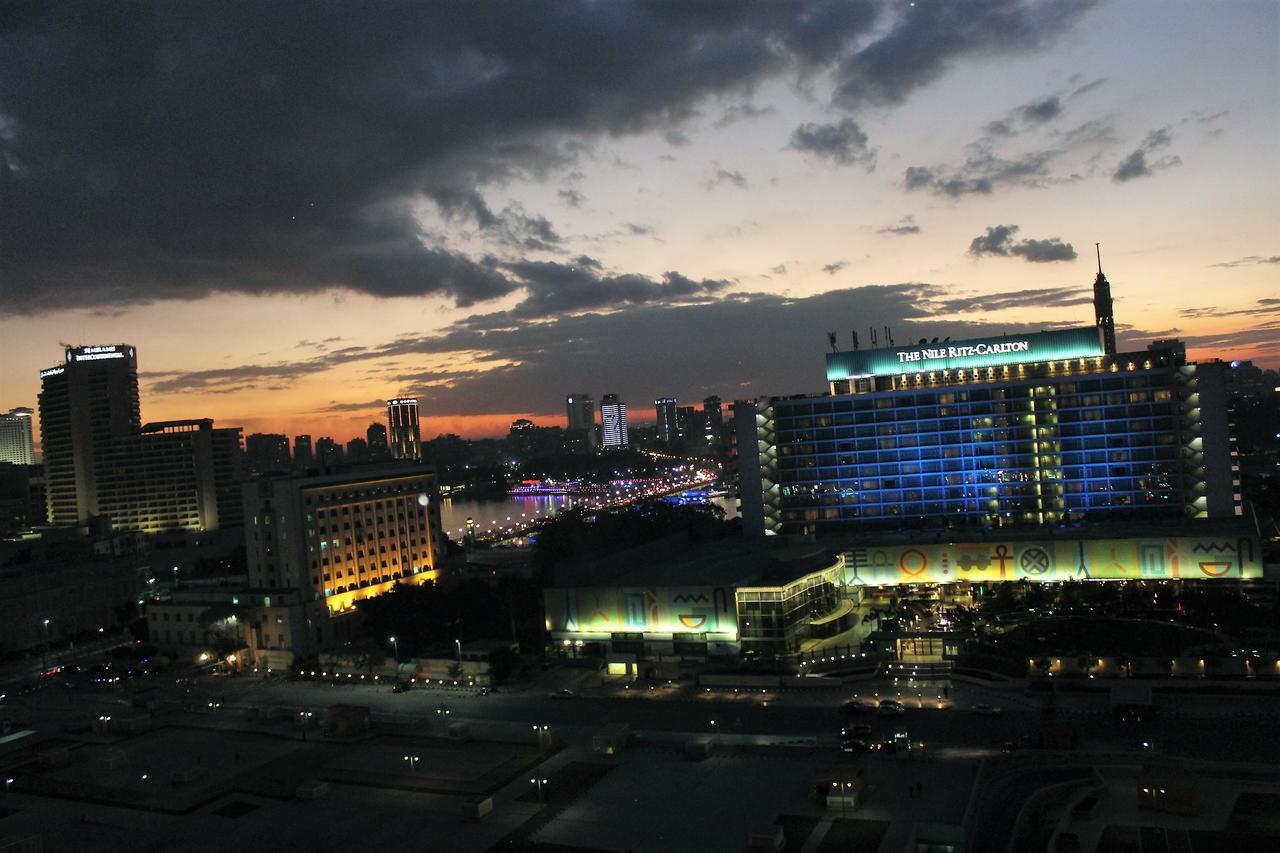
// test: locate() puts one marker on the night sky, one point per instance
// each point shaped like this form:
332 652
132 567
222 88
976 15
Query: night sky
297 210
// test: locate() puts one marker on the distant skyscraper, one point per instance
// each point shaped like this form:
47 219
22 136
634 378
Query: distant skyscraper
581 410
15 438
357 450
613 422
265 453
328 451
376 436
1102 308
688 425
402 432
303 457
87 402
713 419
668 427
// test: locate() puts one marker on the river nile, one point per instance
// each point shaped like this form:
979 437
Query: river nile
454 512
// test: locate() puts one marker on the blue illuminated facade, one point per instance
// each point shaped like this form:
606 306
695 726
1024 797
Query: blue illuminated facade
1020 443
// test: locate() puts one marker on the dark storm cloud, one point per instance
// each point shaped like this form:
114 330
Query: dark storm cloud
555 288
843 143
999 241
906 226
929 37
171 151
175 150
1138 163
834 267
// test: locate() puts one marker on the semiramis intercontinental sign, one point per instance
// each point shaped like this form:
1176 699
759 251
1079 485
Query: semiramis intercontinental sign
953 355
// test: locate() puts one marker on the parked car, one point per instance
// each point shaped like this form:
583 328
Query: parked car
855 745
987 710
857 706
890 707
862 730
562 693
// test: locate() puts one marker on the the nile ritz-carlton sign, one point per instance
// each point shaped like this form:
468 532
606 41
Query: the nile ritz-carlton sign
986 352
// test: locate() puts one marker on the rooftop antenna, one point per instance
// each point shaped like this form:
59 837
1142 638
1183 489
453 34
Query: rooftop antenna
1098 248
874 342
855 339
831 339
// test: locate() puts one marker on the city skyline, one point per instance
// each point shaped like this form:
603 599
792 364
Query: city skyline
725 191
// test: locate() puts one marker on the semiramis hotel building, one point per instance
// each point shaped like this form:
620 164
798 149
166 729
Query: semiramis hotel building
1034 429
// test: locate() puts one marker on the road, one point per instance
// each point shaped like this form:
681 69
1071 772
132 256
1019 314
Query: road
1193 726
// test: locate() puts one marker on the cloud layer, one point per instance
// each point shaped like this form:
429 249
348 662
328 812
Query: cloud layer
160 151
999 241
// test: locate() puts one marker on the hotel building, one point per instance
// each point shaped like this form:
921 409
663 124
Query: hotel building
15 437
1034 429
173 476
402 422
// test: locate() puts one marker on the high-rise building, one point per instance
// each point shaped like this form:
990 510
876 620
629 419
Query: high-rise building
172 476
1033 429
402 429
303 455
376 436
668 429
340 538
581 411
713 424
613 423
688 424
328 452
86 403
580 434
100 461
15 437
357 451
266 453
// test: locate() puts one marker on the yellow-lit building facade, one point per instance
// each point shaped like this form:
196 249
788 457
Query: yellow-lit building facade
344 537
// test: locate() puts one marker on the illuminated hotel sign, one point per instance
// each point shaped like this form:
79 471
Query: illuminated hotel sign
52 371
96 353
986 352
964 351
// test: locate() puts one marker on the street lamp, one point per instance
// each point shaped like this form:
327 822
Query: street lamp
458 643
541 783
413 762
396 645
44 657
